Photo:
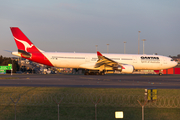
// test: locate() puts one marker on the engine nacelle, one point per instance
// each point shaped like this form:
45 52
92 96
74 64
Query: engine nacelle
125 68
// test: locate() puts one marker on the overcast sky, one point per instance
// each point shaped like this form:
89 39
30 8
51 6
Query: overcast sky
79 25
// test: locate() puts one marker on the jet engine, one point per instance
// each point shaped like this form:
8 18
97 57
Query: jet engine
125 68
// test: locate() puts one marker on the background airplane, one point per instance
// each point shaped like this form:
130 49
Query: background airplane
92 62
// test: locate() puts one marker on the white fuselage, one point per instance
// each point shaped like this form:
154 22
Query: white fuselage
125 63
88 60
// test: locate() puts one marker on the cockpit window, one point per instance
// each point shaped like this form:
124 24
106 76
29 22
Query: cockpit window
172 60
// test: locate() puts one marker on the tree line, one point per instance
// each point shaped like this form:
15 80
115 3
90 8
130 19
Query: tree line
4 61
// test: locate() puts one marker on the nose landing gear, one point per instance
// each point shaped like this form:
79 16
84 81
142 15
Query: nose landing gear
160 72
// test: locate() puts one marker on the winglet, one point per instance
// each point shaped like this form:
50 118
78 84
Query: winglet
99 54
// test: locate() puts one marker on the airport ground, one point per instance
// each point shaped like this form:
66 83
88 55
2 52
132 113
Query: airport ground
79 93
92 81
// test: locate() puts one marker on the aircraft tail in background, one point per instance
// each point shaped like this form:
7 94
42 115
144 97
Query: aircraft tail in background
22 42
26 48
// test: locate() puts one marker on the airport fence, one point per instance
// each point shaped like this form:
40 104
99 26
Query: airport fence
84 106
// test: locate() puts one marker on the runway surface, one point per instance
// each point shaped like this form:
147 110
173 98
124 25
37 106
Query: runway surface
92 81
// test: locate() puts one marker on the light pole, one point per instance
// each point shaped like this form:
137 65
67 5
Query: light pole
96 47
143 44
138 40
12 67
107 48
124 47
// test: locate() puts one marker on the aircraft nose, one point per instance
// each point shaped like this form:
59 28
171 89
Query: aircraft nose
175 63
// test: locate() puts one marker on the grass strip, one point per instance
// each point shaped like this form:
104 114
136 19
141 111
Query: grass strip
36 103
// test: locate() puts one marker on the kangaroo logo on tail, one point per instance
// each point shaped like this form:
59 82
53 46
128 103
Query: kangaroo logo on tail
27 49
26 45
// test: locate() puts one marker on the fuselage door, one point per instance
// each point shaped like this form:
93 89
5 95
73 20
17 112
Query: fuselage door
165 61
134 59
87 59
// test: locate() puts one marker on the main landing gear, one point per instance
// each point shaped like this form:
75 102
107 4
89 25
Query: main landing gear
94 73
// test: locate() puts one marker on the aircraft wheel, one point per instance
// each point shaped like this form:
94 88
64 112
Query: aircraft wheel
91 73
160 73
102 73
97 73
86 73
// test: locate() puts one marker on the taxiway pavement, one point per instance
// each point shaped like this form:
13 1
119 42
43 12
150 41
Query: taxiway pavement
92 81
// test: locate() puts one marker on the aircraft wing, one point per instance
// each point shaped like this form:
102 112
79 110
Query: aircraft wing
104 61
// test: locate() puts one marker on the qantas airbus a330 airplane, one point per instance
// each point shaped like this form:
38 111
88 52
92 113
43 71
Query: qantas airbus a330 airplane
91 62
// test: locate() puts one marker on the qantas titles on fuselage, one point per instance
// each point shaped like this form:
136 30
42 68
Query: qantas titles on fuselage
152 58
97 63
147 59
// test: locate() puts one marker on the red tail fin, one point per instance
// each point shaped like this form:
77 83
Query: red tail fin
22 42
27 49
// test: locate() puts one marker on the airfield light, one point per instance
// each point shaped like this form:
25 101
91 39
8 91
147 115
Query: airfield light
138 40
96 47
107 48
125 47
119 114
143 44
